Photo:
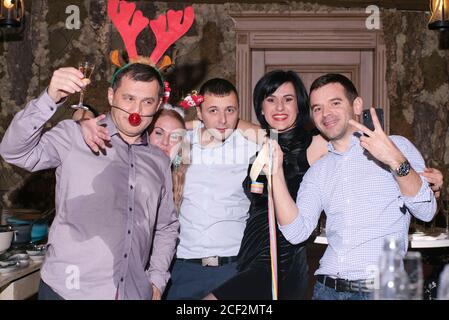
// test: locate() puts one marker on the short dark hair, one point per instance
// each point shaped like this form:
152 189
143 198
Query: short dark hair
138 72
269 83
350 90
218 87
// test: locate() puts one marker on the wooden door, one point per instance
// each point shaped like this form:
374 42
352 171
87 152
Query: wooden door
357 65
311 43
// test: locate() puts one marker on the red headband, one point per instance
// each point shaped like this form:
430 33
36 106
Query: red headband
166 28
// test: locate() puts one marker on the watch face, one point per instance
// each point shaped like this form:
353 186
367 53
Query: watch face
403 169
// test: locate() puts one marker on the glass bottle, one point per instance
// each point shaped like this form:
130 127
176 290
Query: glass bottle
393 280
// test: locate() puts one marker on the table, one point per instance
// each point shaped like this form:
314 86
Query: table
22 283
415 242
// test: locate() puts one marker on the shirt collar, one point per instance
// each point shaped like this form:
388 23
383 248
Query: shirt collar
354 141
112 128
196 138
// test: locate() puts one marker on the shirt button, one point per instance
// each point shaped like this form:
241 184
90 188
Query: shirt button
34 128
131 187
130 209
129 231
126 256
121 280
51 108
132 166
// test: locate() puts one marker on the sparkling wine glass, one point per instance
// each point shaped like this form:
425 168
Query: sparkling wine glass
86 69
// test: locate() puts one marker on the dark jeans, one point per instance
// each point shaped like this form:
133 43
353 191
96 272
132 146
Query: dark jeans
321 292
193 281
47 293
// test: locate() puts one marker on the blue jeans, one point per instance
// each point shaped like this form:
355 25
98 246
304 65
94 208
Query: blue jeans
193 281
321 292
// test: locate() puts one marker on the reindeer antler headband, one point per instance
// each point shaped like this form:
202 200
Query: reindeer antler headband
131 22
166 28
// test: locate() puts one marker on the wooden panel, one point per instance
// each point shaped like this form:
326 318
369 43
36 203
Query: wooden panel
312 57
302 21
381 98
313 33
308 73
366 86
243 82
257 71
421 5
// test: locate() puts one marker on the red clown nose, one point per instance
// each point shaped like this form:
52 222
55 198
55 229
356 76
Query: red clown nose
134 119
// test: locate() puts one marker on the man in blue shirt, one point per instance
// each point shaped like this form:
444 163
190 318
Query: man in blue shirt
367 185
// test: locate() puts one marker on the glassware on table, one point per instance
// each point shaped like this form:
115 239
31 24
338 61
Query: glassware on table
443 286
413 268
393 282
86 69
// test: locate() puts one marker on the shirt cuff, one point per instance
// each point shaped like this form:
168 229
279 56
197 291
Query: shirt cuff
424 194
158 281
290 231
46 104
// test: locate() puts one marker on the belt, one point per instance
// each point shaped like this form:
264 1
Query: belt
343 285
213 261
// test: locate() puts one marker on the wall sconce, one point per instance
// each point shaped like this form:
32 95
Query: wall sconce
11 13
440 14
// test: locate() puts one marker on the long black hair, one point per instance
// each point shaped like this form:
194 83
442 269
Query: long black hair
269 83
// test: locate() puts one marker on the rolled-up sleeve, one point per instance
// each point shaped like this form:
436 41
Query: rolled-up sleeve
165 238
309 206
423 205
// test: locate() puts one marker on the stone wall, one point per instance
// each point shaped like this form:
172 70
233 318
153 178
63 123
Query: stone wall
417 74
417 78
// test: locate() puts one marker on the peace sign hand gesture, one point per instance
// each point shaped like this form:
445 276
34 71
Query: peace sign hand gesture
379 144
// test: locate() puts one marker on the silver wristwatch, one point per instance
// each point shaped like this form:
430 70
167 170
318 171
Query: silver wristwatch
403 169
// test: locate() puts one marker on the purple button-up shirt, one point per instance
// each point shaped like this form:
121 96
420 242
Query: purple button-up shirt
115 228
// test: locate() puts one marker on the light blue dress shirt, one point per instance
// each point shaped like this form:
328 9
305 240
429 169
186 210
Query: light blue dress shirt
363 205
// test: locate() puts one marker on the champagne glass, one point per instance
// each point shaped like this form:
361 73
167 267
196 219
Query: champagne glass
86 69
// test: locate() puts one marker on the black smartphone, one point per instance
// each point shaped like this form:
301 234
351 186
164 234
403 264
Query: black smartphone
367 120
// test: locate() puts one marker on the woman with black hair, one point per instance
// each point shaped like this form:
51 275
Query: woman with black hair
281 104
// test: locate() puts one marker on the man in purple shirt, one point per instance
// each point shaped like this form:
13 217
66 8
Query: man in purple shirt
115 230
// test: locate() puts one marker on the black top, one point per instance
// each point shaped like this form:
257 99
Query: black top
255 247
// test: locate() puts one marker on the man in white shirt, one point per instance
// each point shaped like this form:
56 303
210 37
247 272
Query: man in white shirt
214 209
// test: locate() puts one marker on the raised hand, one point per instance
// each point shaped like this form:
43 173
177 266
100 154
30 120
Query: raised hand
94 135
378 144
64 82
278 157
